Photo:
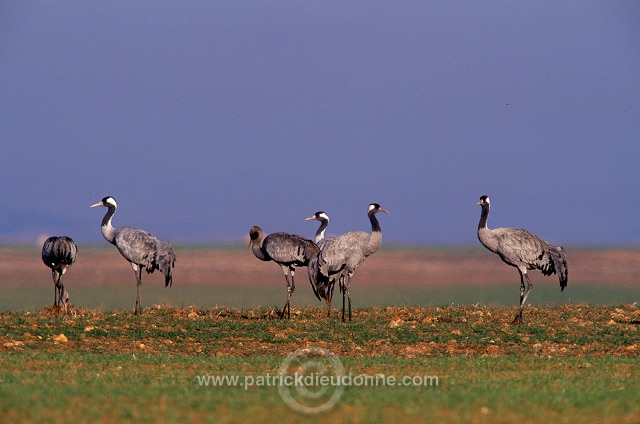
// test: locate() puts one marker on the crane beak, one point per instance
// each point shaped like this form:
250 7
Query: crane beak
383 210
310 218
479 203
97 204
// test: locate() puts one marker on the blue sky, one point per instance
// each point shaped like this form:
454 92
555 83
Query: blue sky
205 118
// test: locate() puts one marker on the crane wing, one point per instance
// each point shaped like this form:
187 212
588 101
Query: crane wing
289 248
519 247
342 251
137 246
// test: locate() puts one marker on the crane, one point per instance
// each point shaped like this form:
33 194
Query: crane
340 257
59 253
140 248
320 242
287 250
523 250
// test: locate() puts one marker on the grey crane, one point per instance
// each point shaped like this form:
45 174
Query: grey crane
59 253
140 248
523 250
320 242
341 256
287 250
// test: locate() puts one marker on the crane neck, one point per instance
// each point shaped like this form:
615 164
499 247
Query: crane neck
256 248
375 225
320 233
484 216
485 235
375 239
108 232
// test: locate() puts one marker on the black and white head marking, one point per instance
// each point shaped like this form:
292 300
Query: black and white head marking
109 201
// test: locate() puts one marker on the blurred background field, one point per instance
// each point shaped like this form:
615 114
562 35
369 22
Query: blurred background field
397 276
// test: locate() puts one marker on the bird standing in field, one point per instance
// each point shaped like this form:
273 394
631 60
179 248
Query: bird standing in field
523 250
341 256
287 250
59 253
320 242
140 248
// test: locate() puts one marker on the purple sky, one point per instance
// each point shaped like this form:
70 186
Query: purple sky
203 118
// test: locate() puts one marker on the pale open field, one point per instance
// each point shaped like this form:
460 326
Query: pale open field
209 277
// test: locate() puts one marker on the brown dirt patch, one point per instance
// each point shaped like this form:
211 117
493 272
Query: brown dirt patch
422 266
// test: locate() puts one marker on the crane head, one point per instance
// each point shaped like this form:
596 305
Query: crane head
375 208
108 201
484 200
255 233
65 302
319 216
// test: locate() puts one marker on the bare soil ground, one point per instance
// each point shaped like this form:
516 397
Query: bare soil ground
583 358
574 331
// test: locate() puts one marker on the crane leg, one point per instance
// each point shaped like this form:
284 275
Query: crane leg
343 290
55 287
138 308
329 295
524 293
349 294
290 289
60 288
518 317
290 293
331 285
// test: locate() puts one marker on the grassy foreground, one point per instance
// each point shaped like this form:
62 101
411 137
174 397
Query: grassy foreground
564 364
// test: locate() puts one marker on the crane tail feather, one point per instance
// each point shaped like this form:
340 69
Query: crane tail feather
312 269
559 258
166 260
